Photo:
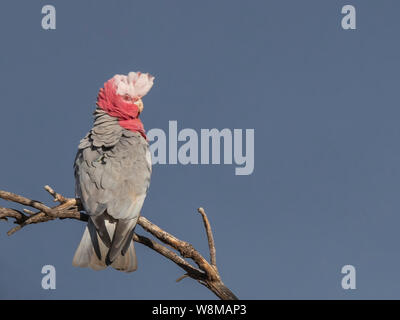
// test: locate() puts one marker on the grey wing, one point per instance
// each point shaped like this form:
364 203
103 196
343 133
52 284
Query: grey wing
115 179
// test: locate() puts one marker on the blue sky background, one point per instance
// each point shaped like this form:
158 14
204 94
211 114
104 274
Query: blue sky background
324 105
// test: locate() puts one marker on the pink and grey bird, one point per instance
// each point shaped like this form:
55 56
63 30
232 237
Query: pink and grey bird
112 174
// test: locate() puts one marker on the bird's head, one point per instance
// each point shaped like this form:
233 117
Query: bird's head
133 87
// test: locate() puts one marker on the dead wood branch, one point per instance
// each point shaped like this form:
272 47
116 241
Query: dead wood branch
206 273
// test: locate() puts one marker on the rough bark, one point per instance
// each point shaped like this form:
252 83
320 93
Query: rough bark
206 273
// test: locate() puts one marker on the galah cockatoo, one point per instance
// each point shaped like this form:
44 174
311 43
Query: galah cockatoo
112 173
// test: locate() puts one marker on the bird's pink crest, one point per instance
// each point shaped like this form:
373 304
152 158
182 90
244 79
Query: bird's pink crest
135 84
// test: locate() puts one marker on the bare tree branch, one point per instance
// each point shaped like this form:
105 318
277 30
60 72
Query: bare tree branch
57 197
206 273
211 244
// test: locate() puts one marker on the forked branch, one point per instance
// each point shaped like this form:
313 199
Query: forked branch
205 272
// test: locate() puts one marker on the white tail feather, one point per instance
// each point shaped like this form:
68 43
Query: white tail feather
86 257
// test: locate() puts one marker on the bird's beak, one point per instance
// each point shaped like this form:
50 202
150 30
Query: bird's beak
139 104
